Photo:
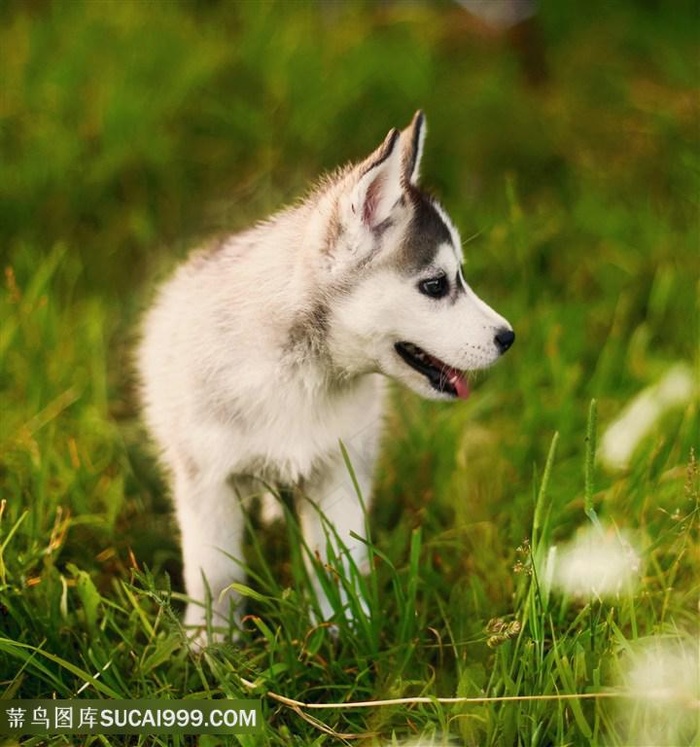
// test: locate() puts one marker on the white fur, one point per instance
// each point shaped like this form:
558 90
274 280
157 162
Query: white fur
244 388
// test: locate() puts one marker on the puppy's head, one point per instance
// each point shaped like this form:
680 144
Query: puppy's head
405 309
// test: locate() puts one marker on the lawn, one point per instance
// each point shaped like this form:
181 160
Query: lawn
567 154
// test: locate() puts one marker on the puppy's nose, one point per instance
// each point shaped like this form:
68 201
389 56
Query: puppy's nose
504 339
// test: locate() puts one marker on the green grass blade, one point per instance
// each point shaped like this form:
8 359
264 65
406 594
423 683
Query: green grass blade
591 448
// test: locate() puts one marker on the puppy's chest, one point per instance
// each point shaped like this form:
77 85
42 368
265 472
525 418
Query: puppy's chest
296 438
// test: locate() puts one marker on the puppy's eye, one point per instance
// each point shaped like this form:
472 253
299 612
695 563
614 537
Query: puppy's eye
435 287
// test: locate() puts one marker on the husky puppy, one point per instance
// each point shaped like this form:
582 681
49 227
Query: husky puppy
265 351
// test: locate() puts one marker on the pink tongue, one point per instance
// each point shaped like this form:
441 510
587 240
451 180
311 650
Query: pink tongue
458 382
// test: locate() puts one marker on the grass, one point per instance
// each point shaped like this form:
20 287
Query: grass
128 131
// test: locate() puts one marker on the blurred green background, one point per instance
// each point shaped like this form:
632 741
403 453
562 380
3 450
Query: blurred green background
130 127
565 149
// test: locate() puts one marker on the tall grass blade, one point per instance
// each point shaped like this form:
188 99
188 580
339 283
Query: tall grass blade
591 447
539 518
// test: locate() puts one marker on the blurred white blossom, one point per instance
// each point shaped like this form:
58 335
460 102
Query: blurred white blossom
663 677
503 14
637 420
597 563
426 741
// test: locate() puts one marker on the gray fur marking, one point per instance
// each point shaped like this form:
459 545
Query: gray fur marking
308 332
425 235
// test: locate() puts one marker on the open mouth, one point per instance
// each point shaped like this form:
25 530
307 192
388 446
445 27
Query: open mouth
442 378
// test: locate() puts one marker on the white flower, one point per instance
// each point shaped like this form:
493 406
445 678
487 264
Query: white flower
596 563
432 741
637 420
663 677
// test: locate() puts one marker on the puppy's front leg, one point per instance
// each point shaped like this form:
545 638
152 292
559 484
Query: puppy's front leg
211 524
332 518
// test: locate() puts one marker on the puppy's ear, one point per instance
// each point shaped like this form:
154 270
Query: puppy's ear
380 185
412 139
